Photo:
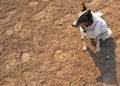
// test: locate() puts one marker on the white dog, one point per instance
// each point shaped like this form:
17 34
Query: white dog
92 26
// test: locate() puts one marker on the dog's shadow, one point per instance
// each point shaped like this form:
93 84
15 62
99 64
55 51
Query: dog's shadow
105 61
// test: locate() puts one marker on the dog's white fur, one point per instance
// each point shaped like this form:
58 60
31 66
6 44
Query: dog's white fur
99 31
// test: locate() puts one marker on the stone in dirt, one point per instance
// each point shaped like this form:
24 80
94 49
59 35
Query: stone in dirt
33 3
25 57
46 0
39 15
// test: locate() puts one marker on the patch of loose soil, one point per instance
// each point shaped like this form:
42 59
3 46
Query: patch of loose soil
38 46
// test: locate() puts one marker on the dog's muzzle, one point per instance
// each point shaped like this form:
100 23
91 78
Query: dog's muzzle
74 24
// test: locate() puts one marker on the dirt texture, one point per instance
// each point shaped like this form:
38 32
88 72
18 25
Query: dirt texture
39 47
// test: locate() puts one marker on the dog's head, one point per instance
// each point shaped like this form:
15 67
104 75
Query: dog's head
84 18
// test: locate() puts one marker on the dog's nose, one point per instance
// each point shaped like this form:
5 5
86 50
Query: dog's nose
72 25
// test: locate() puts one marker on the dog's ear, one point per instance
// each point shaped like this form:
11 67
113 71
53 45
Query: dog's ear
89 14
84 7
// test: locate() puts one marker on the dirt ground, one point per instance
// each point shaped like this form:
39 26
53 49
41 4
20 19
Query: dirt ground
38 46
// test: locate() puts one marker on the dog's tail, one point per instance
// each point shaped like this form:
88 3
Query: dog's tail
99 13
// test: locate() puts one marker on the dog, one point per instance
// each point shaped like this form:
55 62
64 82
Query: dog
92 25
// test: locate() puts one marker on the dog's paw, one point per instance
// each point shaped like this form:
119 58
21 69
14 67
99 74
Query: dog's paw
98 50
84 48
82 38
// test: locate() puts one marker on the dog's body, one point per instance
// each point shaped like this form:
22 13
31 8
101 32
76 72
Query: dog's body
92 26
98 28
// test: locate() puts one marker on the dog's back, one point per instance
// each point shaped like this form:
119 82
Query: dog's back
101 29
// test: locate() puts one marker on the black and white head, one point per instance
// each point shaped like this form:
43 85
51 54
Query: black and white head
84 18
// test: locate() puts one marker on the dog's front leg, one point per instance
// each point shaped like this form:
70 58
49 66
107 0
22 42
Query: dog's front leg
82 32
83 37
84 43
97 44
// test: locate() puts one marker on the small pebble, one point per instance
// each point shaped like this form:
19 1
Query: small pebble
60 24
108 57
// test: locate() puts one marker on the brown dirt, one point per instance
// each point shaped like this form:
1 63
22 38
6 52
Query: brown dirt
38 46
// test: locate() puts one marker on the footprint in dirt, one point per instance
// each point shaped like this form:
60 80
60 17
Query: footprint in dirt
18 26
5 20
61 56
10 81
11 12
